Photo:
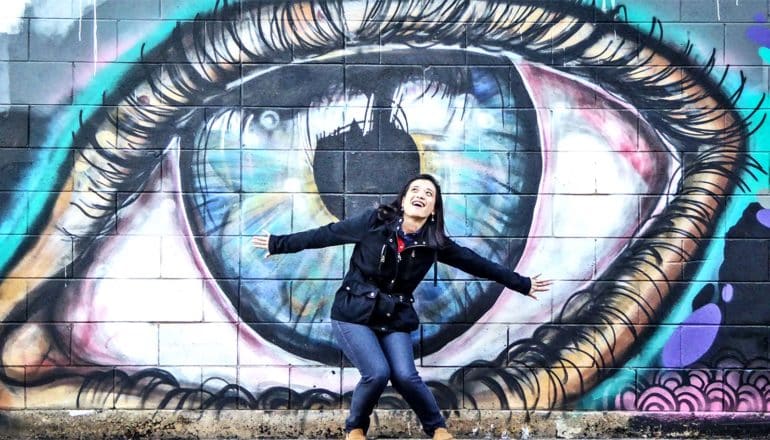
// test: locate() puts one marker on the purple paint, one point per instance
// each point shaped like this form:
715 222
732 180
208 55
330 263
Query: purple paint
689 342
763 217
759 17
727 293
759 35
670 354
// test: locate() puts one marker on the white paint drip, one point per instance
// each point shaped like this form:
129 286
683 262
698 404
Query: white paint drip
80 31
222 132
719 17
95 39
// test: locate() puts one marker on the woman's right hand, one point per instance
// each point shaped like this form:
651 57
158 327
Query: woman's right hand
262 242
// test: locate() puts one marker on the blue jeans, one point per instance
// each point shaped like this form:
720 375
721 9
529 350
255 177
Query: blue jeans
380 357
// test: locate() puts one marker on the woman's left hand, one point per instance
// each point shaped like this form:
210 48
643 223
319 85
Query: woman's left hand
538 286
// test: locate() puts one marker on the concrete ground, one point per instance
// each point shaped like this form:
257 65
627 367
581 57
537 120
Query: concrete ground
391 424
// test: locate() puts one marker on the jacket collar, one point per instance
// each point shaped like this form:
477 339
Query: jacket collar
423 237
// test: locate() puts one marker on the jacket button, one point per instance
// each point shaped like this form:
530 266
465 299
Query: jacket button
347 287
390 240
388 314
372 294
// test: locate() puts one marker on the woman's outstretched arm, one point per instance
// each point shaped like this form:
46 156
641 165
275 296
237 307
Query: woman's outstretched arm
346 231
470 262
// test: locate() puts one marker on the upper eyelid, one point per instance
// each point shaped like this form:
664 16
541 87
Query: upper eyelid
675 130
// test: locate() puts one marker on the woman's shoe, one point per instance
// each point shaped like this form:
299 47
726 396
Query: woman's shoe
356 434
442 434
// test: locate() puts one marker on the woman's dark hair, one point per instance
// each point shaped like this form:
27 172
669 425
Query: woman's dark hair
393 209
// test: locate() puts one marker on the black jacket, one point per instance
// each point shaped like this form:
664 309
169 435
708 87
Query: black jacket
377 289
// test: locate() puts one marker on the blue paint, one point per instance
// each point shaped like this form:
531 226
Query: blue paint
759 35
688 343
727 293
486 87
763 217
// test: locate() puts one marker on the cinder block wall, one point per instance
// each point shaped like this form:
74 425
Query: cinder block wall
616 148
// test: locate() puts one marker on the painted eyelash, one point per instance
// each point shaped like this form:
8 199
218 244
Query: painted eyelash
206 35
670 126
208 40
678 122
156 383
182 87
185 80
603 304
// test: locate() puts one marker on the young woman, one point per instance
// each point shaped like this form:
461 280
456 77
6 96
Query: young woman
372 313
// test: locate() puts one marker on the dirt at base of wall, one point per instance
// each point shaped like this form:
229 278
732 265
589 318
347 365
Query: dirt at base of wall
484 424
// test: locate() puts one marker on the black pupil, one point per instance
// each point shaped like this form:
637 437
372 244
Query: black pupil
376 161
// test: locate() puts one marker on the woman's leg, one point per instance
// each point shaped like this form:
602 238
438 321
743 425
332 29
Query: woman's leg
362 347
406 380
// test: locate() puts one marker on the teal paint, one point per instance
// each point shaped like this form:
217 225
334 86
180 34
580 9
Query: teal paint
48 163
764 53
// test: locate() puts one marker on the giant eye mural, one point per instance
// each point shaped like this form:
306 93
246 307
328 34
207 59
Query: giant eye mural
567 140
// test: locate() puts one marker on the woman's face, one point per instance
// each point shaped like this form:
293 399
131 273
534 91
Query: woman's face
420 199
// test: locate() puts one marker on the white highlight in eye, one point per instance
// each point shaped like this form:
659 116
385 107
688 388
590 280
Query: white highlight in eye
292 185
269 120
445 118
484 119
